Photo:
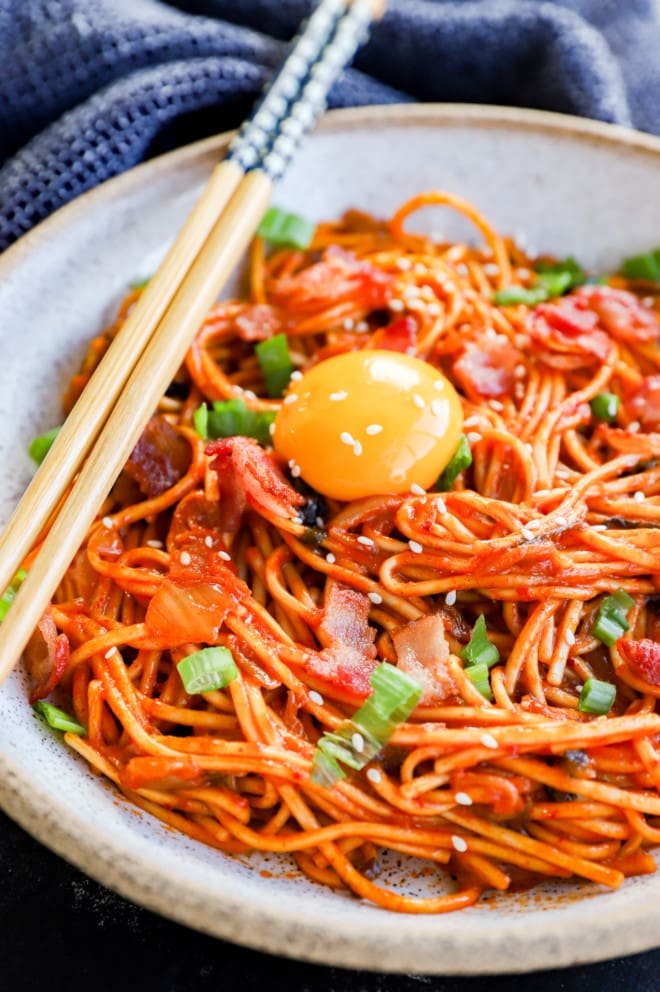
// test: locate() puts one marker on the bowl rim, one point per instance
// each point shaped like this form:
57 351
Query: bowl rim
256 918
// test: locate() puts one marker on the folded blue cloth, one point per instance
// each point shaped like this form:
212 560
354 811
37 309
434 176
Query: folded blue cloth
92 87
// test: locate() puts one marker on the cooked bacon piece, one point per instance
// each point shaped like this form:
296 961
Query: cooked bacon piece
621 313
422 653
258 322
644 445
159 459
643 403
249 476
569 327
161 773
642 657
400 335
46 656
487 366
338 277
349 655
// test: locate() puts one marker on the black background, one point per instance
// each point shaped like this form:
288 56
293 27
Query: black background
60 932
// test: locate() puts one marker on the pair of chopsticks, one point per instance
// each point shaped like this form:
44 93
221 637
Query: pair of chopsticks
107 421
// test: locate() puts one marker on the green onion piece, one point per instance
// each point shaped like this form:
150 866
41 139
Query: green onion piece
554 283
41 445
208 669
325 770
201 421
276 364
9 594
552 279
513 295
286 230
597 697
460 460
478 675
571 272
646 266
605 406
479 650
611 622
395 693
57 718
229 418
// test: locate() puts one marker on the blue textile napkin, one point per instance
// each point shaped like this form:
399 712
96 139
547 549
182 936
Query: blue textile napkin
90 88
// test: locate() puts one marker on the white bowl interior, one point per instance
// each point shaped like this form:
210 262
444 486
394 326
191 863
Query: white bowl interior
565 187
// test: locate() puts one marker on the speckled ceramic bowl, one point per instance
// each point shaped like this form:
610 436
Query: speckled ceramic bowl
566 186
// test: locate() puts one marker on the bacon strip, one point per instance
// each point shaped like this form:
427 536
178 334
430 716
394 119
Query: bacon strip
349 656
46 657
159 459
422 652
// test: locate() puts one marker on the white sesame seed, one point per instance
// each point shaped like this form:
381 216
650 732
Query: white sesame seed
648 301
396 305
521 341
459 844
491 333
362 327
372 429
249 394
330 558
296 375
412 291
639 496
349 324
523 273
527 533
569 637
529 446
154 544
271 428
634 427
441 505
471 422
316 697
208 541
599 527
107 522
562 474
473 437
436 408
416 547
450 598
419 269
109 653
346 438
462 269
357 448
496 406
491 269
224 555
185 558
434 309
375 597
520 371
417 490
562 521
291 398
463 799
489 741
357 740
341 394
403 263
439 385
295 471
374 775
368 543
320 521
418 401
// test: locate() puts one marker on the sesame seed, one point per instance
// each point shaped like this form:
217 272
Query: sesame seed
450 598
462 269
357 448
357 740
368 543
523 273
362 327
527 533
208 541
154 544
412 291
599 527
459 844
375 597
320 521
529 446
185 558
520 371
349 324
569 637
562 521
473 437
496 405
634 427
107 522
436 408
330 558
374 775
441 505
489 741
271 428
295 471
562 474
224 555
109 653
521 341
491 269
419 269
374 429
439 385
249 394
417 490
346 438
416 547
491 333
396 305
639 496
291 398
296 375
341 394
463 799
403 263
418 401
471 422
434 309
316 697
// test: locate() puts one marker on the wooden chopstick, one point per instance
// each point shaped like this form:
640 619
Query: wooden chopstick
104 426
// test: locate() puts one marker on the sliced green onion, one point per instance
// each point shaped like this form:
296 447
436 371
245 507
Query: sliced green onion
513 295
597 697
286 230
646 266
355 742
57 718
208 669
460 460
231 418
611 622
605 406
478 675
552 279
9 594
276 364
479 650
571 272
201 421
40 446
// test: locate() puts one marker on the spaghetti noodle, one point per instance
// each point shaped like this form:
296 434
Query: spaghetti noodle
498 786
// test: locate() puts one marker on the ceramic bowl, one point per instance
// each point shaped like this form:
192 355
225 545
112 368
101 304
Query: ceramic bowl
563 185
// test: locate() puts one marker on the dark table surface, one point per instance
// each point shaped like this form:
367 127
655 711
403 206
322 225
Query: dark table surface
62 932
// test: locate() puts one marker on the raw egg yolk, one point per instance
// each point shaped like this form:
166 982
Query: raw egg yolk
369 423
